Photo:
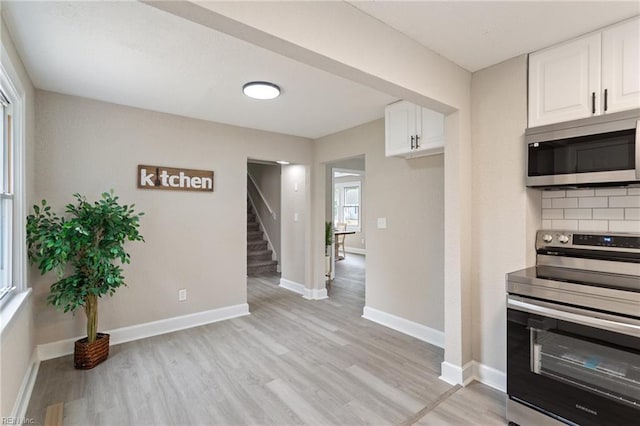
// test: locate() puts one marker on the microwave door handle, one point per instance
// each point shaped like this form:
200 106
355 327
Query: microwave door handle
638 149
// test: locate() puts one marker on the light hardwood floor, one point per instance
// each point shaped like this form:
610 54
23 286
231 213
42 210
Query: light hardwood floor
292 361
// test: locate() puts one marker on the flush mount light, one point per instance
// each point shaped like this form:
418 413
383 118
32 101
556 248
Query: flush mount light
282 162
261 90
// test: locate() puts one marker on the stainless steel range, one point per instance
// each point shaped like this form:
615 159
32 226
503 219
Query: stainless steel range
573 331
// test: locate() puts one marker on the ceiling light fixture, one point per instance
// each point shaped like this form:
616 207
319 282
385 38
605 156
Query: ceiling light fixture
261 90
282 162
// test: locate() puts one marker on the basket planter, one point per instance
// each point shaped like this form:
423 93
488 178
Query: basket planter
88 355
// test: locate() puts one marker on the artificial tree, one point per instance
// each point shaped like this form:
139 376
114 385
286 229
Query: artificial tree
90 239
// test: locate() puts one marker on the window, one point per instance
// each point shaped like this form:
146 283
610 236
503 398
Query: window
12 218
347 204
6 198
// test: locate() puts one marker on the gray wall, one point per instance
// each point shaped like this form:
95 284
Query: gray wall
195 241
405 262
505 214
295 232
267 177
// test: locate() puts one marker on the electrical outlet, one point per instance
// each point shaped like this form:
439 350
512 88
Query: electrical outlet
182 294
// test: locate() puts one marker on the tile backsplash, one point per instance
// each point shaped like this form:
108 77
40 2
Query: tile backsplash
601 210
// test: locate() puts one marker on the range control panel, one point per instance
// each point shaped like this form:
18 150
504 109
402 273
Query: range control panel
617 241
579 240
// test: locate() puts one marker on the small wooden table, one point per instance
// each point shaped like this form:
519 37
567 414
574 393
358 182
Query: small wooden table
335 239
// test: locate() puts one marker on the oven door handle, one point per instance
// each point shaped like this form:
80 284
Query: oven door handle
620 325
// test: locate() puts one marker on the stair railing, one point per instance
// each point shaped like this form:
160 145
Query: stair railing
264 200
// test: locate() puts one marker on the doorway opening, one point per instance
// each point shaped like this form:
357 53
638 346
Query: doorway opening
345 210
264 227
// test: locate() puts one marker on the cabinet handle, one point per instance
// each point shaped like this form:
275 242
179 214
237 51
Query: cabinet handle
412 137
417 143
605 99
593 102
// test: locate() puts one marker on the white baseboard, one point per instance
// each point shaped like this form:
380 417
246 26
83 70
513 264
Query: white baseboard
490 376
315 293
307 293
149 329
474 370
355 250
455 375
292 286
24 394
419 331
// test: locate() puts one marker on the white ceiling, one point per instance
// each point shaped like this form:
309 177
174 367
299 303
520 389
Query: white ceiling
134 54
477 34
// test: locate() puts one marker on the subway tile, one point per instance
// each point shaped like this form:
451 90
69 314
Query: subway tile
591 202
552 214
553 194
633 191
580 193
628 201
632 214
568 225
546 203
577 213
546 224
605 192
564 203
624 226
608 214
593 225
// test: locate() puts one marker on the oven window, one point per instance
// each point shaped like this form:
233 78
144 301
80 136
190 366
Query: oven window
594 153
600 369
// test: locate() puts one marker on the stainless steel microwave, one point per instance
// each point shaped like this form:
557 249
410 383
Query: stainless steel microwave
595 151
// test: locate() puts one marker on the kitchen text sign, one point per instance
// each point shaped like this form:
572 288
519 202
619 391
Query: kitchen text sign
169 178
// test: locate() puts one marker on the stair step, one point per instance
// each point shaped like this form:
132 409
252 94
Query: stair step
261 267
251 217
254 235
256 245
255 255
252 226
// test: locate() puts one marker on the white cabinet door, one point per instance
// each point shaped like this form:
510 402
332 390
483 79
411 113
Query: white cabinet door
621 66
430 131
400 127
564 81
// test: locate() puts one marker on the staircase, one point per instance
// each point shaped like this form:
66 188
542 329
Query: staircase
258 254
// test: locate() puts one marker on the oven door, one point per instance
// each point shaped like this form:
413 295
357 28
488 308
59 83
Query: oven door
574 365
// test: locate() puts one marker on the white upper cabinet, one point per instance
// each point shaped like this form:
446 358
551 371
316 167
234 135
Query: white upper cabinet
564 81
595 74
621 67
413 131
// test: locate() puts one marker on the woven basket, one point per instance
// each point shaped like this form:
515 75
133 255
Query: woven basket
88 355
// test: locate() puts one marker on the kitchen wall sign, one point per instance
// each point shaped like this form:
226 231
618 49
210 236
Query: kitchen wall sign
172 179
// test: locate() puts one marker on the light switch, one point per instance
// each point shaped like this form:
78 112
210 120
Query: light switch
295 217
295 187
382 223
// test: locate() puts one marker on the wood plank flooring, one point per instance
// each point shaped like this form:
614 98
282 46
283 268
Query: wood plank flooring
291 362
